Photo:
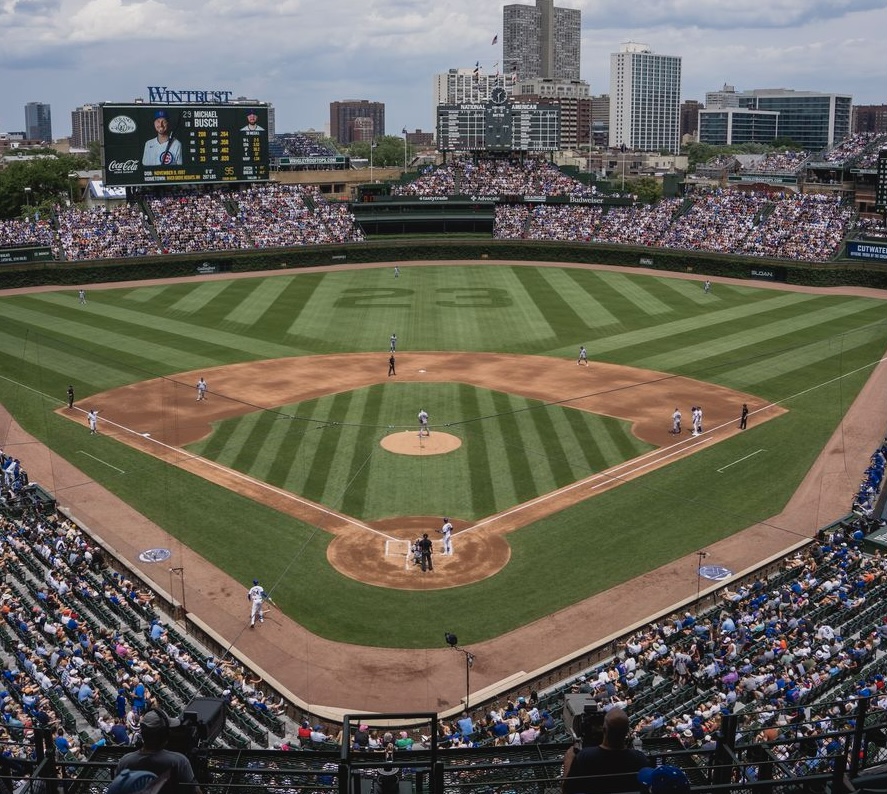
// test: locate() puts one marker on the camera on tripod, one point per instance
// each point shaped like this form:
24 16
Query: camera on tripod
585 719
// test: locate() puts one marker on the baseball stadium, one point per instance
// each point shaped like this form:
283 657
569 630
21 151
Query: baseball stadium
674 523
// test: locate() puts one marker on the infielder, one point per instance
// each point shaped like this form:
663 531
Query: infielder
92 419
201 390
256 596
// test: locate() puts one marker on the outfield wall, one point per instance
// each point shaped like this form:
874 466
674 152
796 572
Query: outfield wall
872 274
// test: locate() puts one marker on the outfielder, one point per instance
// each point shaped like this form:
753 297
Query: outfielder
256 596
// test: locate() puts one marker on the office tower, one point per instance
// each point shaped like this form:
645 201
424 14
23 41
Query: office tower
541 41
86 126
38 122
645 100
356 120
811 119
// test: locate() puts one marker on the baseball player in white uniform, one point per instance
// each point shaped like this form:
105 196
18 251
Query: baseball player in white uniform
447 531
256 596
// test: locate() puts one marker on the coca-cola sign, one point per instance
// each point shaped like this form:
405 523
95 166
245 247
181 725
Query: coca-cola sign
122 125
124 167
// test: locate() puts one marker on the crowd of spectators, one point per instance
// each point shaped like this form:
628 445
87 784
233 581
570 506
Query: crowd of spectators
286 215
104 232
74 654
22 232
787 162
808 227
852 147
297 144
193 221
495 177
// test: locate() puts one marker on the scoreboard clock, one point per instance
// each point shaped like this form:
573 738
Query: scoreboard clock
498 126
151 144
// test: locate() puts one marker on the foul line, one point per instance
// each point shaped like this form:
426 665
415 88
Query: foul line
81 452
750 455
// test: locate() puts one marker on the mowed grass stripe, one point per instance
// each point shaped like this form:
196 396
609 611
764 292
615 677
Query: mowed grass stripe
199 296
479 471
107 340
692 291
50 355
284 469
367 413
642 336
518 445
562 319
326 451
192 336
255 303
754 375
253 448
593 313
634 291
142 294
750 337
272 446
558 457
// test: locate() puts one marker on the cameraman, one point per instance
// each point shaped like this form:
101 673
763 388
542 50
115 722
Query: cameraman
153 757
611 757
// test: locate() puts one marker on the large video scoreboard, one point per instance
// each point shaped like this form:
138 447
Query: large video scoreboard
152 144
498 126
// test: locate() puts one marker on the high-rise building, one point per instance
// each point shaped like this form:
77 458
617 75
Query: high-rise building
645 99
813 120
356 120
600 119
38 122
870 118
730 126
690 119
541 41
86 126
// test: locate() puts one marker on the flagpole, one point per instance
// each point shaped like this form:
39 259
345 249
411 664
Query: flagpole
372 146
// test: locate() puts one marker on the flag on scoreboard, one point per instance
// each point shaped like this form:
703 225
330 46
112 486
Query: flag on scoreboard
495 39
477 70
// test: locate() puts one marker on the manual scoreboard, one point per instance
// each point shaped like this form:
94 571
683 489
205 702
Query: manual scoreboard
150 144
499 126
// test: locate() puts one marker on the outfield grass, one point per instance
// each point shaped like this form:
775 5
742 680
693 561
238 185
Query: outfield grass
810 352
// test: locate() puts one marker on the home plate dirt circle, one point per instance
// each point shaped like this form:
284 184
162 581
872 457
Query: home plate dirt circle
408 442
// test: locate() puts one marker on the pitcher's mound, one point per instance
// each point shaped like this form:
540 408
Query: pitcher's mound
409 443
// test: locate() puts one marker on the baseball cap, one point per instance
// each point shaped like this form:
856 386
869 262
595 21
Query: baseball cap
255 581
161 114
130 781
252 112
664 779
152 720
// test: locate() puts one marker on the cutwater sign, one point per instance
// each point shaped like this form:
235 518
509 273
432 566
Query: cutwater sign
872 251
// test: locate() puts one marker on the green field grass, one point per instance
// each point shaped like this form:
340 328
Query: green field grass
811 353
513 449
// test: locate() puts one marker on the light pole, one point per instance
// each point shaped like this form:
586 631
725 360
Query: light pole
28 198
372 147
71 177
700 555
453 641
181 573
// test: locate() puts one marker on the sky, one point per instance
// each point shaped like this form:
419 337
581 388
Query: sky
300 55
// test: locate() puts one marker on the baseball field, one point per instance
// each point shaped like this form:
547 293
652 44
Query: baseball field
564 481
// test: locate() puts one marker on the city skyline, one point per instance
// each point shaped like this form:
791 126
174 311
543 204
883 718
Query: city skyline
68 53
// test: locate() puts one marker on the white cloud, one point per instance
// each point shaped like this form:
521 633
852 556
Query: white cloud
303 54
